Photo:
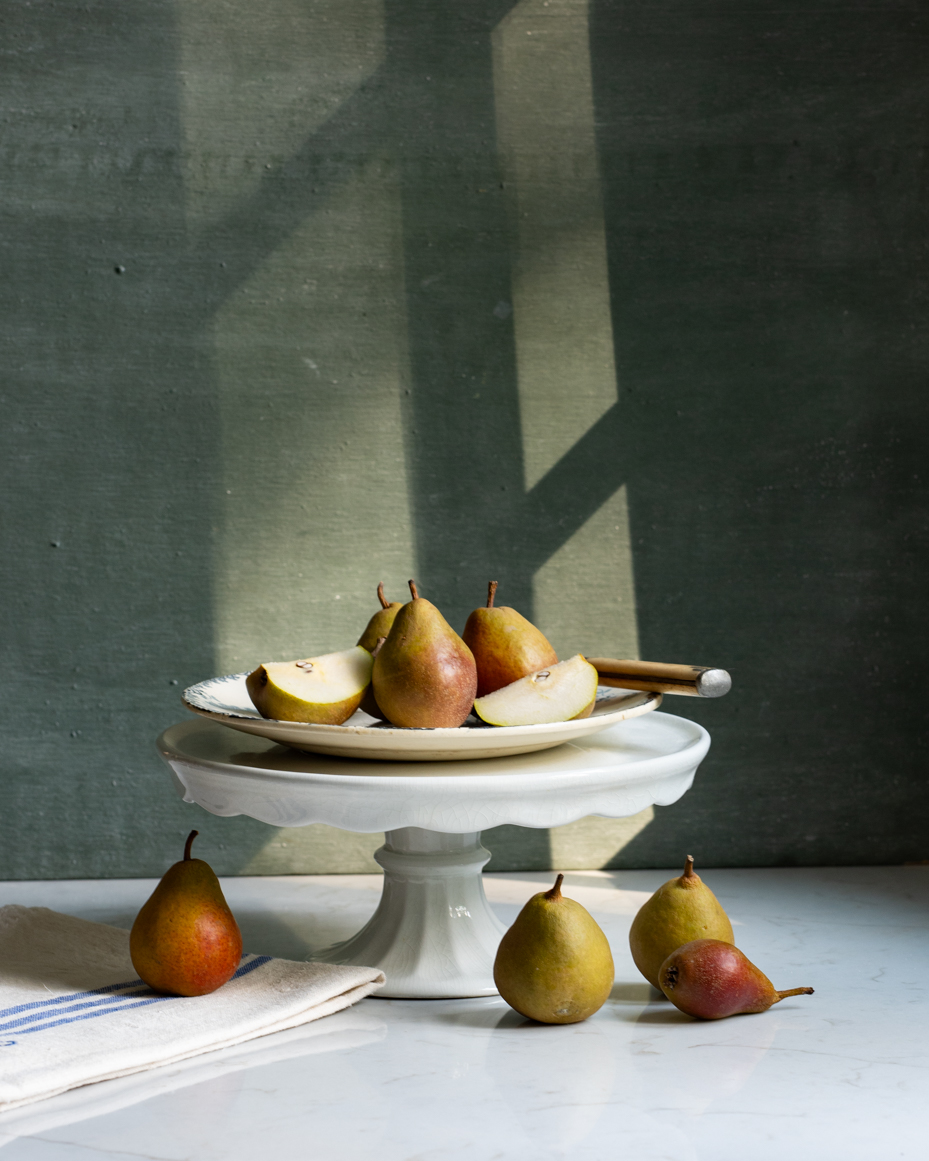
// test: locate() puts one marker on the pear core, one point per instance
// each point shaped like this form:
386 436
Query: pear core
558 693
324 690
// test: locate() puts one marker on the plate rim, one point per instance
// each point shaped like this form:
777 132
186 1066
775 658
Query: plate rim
225 717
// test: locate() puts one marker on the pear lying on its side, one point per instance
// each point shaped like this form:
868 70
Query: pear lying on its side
681 910
185 940
554 964
710 979
559 693
324 690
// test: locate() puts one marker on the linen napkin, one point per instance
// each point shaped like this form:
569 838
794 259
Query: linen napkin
356 1027
73 1011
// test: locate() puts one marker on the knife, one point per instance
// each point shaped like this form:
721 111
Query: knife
658 677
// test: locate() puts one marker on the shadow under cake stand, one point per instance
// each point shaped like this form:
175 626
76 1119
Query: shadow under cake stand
434 934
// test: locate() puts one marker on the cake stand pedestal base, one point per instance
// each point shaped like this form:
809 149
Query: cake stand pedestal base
433 934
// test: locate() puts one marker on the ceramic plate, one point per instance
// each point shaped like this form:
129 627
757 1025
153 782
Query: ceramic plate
226 700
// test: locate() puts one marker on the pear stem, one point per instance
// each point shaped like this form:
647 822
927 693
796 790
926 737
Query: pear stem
689 868
794 992
491 590
555 892
413 590
190 840
377 647
385 604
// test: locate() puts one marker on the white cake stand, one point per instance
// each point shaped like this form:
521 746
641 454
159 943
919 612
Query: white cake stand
434 934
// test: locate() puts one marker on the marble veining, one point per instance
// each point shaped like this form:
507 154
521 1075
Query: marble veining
842 1074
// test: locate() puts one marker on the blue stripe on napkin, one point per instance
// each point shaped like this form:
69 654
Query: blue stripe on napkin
103 1002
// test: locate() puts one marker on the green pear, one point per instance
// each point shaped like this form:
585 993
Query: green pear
505 645
185 940
680 911
424 674
369 701
559 693
554 964
710 979
378 626
324 690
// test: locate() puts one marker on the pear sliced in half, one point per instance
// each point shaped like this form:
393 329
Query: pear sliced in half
324 690
558 693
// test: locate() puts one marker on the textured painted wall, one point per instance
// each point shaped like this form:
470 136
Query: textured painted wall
622 304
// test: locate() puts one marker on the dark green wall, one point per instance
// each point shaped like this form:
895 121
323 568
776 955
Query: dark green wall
630 316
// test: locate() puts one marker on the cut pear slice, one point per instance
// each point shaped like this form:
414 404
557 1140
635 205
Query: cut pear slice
558 693
324 690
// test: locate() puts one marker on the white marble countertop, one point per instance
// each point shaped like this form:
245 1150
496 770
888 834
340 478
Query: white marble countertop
841 1074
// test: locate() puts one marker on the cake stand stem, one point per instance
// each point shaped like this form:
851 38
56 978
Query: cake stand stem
433 934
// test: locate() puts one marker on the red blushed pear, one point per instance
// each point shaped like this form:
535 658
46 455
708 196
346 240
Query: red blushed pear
711 979
505 645
424 674
185 940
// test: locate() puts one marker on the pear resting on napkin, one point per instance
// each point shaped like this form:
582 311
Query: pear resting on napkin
73 1010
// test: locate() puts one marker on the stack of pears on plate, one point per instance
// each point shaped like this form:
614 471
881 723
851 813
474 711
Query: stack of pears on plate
412 669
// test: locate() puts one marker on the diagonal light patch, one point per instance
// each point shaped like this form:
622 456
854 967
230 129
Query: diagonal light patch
311 364
584 595
561 301
257 79
583 585
309 351
309 343
595 842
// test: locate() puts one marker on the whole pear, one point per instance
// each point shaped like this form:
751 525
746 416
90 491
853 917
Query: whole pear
380 623
505 645
681 910
378 626
185 940
710 979
424 675
554 964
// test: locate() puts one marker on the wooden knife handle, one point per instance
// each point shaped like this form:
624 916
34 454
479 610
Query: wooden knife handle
690 680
